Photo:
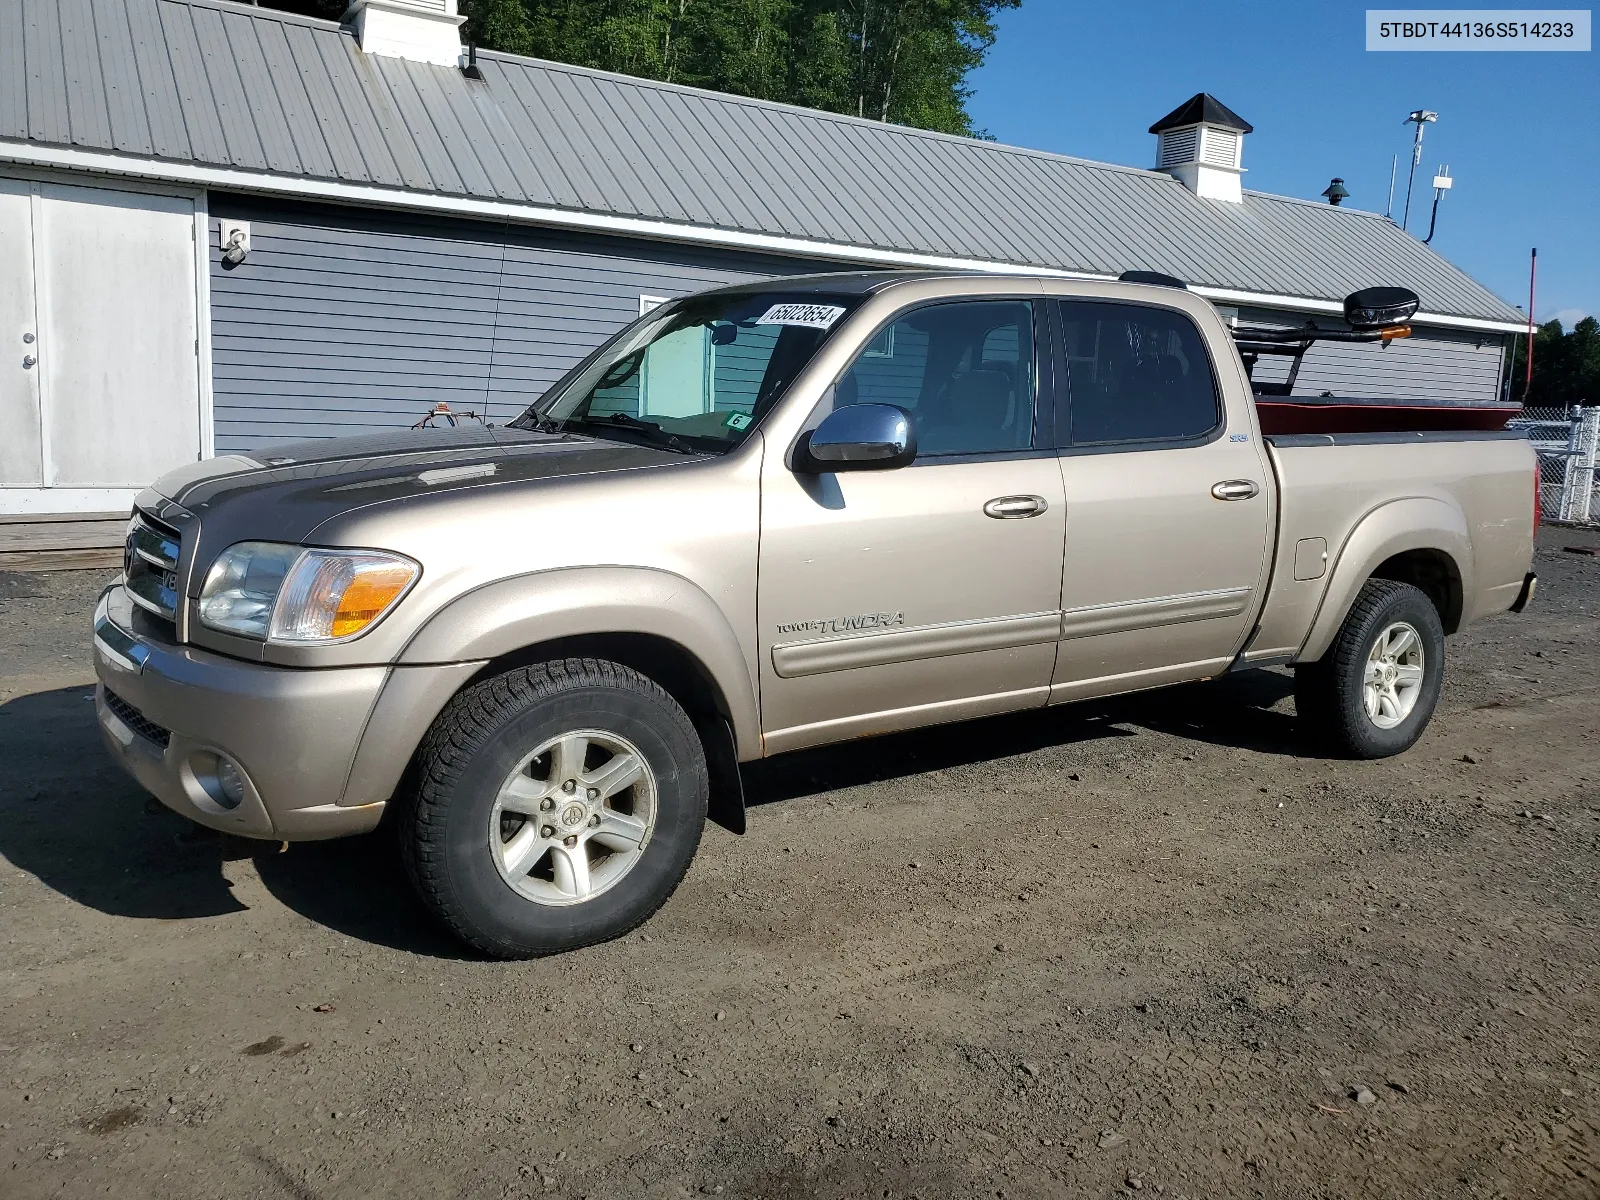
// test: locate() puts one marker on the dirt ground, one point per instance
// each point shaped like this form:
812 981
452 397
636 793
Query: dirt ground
1154 945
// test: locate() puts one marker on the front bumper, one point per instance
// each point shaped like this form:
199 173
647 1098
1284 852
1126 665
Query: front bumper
292 733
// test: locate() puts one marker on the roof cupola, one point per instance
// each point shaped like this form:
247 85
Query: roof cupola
1201 143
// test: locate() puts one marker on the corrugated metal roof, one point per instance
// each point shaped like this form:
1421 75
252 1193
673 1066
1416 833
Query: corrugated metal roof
226 85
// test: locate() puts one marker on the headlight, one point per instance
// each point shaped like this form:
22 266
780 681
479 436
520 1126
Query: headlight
242 587
279 593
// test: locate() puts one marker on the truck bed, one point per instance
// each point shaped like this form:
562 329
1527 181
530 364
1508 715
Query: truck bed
1361 414
1468 493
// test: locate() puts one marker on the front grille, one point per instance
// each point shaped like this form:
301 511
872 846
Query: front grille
137 721
150 564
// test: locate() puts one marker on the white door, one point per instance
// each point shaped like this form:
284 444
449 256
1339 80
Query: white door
678 375
116 301
21 462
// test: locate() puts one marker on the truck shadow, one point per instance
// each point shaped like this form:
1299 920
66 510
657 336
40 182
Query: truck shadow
71 819
357 887
1235 710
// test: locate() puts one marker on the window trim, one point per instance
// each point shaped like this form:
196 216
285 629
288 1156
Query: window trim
1042 440
1063 441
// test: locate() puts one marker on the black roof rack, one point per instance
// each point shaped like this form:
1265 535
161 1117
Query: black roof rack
1153 277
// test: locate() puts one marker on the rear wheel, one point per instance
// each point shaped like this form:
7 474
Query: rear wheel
1375 690
557 805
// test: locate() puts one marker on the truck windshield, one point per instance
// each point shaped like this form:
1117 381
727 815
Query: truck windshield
695 374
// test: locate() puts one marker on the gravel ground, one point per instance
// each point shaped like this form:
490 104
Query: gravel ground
1152 945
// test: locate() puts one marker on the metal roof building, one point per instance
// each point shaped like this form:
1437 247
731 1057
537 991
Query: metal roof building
237 96
415 233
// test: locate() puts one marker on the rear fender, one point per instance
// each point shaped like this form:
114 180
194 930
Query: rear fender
1417 523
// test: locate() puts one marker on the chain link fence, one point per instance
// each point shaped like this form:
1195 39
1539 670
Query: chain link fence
1568 444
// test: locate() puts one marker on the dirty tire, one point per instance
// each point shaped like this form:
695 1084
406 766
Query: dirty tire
1328 693
478 740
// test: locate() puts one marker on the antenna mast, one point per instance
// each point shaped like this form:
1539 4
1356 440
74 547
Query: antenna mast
1419 118
1533 274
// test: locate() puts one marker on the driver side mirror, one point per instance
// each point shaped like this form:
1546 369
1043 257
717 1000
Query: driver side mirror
858 437
1380 307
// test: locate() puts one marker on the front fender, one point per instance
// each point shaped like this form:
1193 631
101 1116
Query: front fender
1416 523
513 614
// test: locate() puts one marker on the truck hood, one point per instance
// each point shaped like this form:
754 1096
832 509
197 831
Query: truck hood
285 492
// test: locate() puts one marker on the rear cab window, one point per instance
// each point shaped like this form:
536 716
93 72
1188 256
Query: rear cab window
1136 375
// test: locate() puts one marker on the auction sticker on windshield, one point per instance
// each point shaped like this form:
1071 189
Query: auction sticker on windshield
812 316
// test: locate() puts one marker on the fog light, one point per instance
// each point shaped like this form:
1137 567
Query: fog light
230 784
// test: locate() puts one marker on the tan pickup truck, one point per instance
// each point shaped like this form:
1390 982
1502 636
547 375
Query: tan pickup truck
762 518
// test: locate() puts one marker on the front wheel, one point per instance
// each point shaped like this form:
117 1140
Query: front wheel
1375 690
557 805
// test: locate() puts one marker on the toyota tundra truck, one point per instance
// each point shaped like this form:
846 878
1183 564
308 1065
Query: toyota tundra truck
767 517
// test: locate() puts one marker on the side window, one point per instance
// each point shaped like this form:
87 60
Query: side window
1136 374
964 371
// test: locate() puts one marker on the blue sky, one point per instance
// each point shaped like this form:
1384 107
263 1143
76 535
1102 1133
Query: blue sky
1520 131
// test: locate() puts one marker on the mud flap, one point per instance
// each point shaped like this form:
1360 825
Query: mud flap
1525 597
726 803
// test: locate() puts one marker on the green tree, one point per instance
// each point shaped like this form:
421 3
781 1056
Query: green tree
905 61
1566 365
329 10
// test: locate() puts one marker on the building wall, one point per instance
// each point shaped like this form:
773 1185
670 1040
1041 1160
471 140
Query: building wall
1433 364
345 320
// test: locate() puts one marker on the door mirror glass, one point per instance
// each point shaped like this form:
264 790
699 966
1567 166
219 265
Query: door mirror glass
859 437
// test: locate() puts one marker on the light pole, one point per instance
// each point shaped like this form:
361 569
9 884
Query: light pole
1419 118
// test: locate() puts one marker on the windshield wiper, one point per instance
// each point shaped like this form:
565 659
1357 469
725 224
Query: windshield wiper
670 440
537 420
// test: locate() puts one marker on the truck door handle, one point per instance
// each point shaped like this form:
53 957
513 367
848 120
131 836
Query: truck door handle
1235 489
1009 508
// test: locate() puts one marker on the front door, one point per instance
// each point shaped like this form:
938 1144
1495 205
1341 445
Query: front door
890 599
1168 504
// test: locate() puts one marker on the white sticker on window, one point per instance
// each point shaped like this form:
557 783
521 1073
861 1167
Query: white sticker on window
812 316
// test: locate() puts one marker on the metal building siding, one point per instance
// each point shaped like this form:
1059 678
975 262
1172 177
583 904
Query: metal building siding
249 87
342 321
1432 364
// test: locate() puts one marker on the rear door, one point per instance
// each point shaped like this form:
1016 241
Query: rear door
1168 502
895 598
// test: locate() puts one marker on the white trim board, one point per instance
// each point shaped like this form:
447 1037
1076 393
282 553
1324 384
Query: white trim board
202 322
15 502
299 187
